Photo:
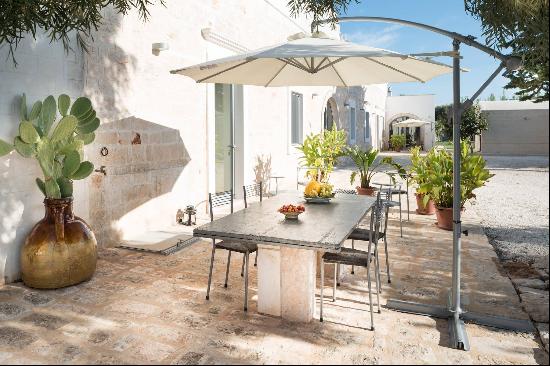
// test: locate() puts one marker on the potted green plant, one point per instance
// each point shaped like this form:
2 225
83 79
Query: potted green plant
439 184
398 141
61 249
418 173
367 167
320 152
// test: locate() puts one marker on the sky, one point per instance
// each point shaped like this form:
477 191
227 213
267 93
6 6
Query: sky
446 14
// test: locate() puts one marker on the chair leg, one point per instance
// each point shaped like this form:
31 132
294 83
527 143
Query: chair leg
211 267
227 269
378 282
334 284
400 216
322 286
352 247
246 282
387 260
377 272
256 259
370 293
408 209
242 268
338 275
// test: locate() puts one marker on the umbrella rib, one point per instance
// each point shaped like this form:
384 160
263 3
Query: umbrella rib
228 69
320 63
394 69
337 73
329 64
294 63
277 74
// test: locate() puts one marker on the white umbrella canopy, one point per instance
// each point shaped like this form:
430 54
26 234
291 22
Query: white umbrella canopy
412 122
316 61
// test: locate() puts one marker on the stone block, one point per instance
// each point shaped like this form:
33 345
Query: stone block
269 280
298 280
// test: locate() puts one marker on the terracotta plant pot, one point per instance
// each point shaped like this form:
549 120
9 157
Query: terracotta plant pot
370 191
445 217
61 249
428 209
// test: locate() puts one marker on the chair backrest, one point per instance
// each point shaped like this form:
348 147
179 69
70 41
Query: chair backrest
376 217
253 190
389 189
344 191
219 199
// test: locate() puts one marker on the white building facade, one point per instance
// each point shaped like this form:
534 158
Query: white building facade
402 107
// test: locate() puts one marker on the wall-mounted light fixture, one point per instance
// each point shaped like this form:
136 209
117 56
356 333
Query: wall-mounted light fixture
160 46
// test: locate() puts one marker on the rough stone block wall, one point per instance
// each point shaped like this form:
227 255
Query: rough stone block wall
143 162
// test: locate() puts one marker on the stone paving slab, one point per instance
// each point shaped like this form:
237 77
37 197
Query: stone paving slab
143 308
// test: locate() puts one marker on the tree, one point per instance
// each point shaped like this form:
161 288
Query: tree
522 27
517 25
492 98
19 18
473 122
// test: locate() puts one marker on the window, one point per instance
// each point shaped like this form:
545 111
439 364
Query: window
352 127
296 118
367 126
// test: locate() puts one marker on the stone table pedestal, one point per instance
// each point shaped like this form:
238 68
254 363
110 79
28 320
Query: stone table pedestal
286 282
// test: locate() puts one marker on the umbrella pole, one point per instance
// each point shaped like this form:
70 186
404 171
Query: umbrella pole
459 338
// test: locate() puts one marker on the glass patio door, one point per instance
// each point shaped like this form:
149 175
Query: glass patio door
228 104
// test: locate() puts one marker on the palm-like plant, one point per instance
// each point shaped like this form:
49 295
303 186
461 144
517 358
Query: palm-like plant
367 165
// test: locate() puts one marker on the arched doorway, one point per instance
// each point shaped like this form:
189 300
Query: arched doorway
414 135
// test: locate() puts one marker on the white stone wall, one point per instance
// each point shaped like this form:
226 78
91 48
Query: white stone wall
413 106
167 167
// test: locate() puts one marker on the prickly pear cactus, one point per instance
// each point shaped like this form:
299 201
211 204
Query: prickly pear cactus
58 147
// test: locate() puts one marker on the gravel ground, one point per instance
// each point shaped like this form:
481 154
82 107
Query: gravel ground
513 207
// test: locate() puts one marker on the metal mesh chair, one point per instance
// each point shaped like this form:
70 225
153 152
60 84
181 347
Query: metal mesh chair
355 257
252 190
217 200
389 190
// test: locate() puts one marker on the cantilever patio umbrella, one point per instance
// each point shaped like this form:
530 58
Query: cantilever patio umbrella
316 61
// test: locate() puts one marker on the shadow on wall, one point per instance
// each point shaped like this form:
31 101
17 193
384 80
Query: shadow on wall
143 163
108 70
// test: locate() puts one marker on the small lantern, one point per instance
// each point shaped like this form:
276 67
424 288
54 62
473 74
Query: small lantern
191 213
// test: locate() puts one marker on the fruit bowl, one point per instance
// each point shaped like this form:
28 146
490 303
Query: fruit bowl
292 212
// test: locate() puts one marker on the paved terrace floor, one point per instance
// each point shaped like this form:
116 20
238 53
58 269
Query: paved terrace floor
146 308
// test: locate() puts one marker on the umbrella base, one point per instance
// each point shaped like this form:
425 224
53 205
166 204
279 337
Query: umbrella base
457 330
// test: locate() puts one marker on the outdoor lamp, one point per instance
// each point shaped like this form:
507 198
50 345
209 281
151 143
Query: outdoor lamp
191 213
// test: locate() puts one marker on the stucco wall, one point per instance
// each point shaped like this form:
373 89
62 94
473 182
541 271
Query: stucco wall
413 106
155 125
515 128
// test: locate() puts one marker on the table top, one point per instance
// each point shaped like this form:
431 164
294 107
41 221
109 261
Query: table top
321 226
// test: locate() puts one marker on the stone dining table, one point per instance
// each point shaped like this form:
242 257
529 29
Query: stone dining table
287 249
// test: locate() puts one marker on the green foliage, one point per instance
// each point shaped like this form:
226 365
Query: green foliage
367 165
320 9
60 19
321 151
522 27
58 153
398 141
437 181
63 103
419 168
5 148
473 122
